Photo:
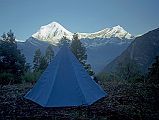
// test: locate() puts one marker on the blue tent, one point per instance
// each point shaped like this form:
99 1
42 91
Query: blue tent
65 83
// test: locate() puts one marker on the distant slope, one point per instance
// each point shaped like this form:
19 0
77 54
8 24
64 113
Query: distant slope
102 51
142 50
28 48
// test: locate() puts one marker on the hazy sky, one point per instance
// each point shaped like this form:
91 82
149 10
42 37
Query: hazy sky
25 17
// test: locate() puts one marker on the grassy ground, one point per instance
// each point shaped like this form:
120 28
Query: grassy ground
125 102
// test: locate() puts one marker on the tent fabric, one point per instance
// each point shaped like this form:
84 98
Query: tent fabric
65 83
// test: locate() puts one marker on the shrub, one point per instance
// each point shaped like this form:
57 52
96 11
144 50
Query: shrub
107 76
6 78
31 76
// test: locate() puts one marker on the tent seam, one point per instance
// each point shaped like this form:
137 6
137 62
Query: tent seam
53 82
77 78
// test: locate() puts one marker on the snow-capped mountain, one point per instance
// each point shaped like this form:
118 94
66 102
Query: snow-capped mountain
102 46
116 31
53 32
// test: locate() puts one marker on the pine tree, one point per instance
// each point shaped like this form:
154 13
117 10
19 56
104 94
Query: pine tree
36 60
11 38
128 71
89 69
40 61
12 62
43 64
80 52
64 41
49 54
154 72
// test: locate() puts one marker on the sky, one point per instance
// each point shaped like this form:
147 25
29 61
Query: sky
24 17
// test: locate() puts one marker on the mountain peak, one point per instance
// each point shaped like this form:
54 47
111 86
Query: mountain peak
116 31
54 32
120 32
118 27
54 24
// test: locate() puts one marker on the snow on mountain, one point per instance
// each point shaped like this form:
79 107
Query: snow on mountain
102 46
53 32
18 40
116 31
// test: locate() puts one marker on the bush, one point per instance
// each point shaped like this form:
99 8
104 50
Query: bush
31 76
115 77
137 79
106 76
6 78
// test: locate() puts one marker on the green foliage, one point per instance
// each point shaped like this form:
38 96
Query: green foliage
12 61
6 78
89 69
49 53
103 76
43 64
40 63
107 77
64 41
128 71
36 59
31 76
153 75
28 77
79 51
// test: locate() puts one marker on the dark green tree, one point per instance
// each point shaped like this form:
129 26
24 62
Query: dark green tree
128 71
37 59
89 69
43 64
49 54
12 62
64 41
153 75
40 61
79 51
